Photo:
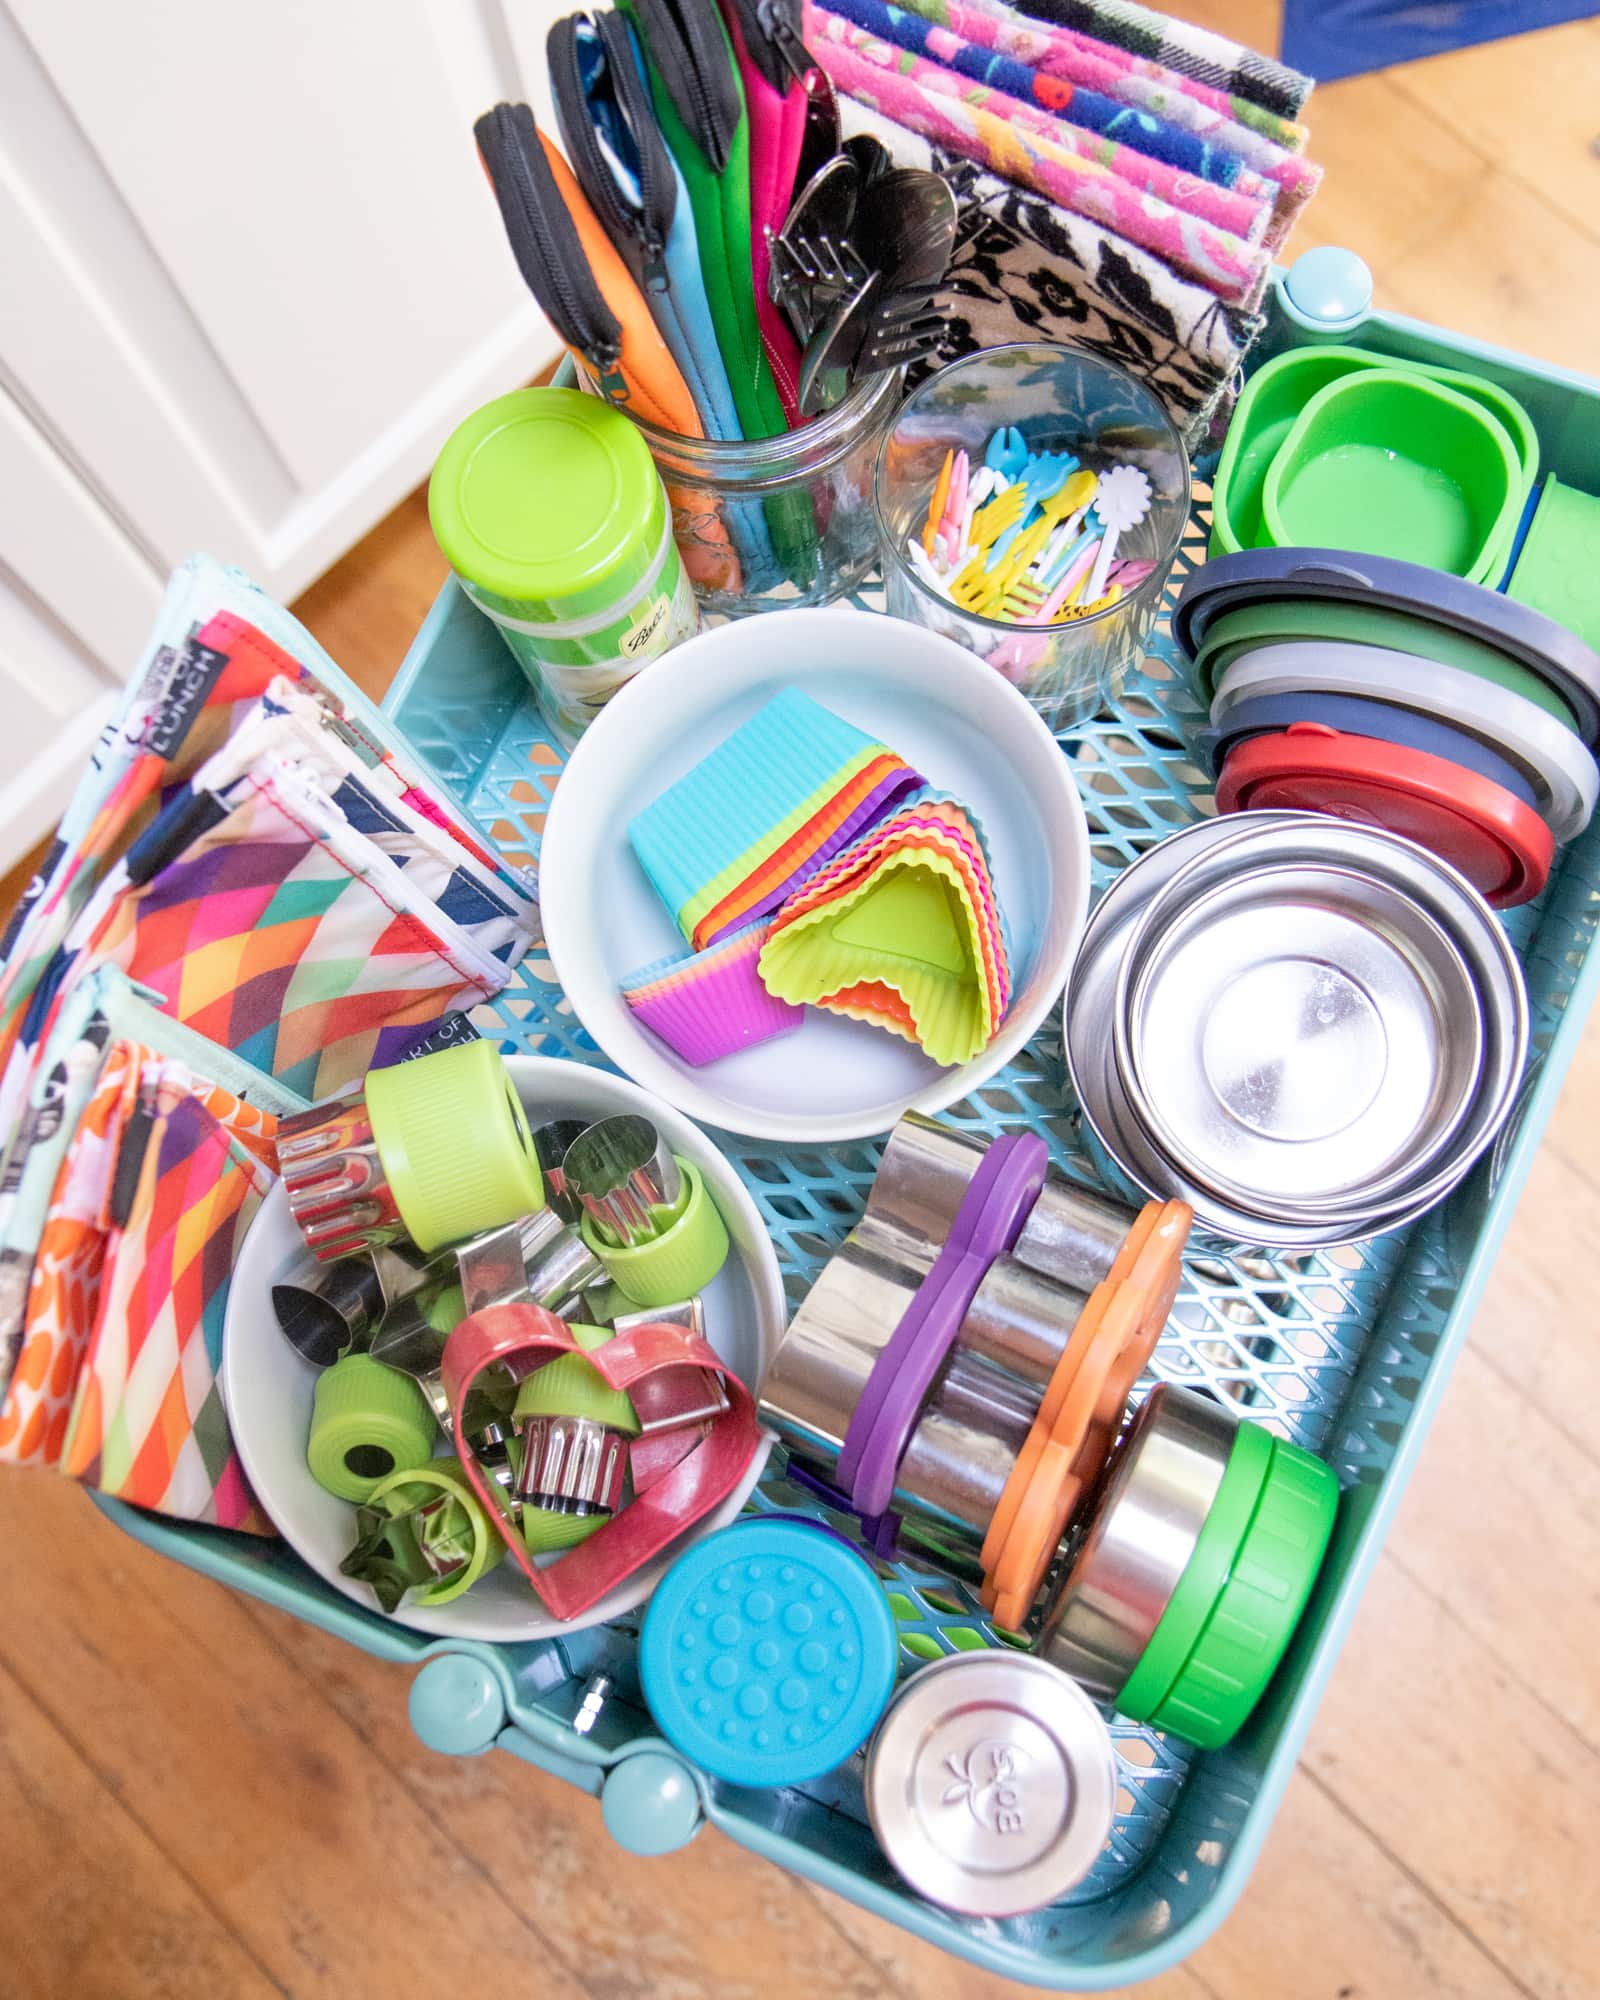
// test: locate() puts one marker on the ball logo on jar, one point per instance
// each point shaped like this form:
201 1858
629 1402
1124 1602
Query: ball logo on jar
988 1782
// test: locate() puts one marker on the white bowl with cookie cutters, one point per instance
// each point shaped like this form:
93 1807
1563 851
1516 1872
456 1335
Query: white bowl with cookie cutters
387 1303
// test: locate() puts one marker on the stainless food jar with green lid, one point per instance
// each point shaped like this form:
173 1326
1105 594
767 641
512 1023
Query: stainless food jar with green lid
548 507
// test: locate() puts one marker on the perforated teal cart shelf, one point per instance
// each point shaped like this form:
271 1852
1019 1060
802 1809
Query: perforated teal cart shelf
1345 1350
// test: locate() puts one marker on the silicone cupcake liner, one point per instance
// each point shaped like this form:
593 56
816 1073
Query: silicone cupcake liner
991 949
802 826
789 749
938 838
712 1004
850 815
946 996
943 817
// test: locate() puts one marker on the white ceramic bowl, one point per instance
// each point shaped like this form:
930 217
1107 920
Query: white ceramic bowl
267 1387
953 718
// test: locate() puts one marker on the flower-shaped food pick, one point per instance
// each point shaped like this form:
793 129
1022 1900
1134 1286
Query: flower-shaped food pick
1121 503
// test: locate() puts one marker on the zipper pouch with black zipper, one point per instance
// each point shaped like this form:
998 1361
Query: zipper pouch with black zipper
632 182
699 104
577 275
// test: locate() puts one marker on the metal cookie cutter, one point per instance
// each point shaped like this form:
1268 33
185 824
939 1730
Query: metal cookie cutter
337 1310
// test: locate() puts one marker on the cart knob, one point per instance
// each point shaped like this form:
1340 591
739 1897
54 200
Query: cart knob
650 1803
1328 289
456 1705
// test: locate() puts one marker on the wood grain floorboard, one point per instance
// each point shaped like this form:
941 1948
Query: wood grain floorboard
199 1796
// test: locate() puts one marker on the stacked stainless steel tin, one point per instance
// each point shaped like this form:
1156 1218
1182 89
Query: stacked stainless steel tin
1309 1030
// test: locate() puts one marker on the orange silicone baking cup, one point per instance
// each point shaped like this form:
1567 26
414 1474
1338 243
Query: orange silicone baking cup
1115 1335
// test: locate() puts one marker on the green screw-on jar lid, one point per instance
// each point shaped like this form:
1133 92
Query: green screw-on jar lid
547 504
1226 1523
454 1142
1255 1615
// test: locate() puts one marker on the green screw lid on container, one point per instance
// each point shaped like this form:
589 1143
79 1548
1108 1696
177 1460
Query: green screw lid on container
678 1263
1204 1575
455 1144
367 1422
1254 1617
546 503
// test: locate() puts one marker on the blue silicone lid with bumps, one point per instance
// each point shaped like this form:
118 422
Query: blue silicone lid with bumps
768 1653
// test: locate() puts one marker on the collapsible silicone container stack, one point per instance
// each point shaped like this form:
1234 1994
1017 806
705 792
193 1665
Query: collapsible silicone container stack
1346 1353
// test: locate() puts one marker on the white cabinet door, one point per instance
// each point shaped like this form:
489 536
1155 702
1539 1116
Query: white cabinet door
253 275
254 271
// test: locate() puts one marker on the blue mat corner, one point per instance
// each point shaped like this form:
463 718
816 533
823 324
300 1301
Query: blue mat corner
1329 39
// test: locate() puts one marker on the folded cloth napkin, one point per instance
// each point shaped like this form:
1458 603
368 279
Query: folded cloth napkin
1182 45
1113 77
941 37
960 115
147 1423
303 887
1024 269
49 1265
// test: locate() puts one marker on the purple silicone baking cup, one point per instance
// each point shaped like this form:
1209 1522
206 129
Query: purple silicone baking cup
720 1011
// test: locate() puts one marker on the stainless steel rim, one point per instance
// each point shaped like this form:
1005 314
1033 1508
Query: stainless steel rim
1196 893
1141 1536
1089 1054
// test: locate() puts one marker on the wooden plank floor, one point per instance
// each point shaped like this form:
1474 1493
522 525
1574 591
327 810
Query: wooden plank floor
200 1797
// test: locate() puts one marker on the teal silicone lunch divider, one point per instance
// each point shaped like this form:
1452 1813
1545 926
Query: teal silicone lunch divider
1346 1352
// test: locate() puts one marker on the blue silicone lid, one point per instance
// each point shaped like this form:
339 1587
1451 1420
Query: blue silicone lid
768 1652
1349 714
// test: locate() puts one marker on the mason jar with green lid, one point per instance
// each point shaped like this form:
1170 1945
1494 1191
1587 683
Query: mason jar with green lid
548 507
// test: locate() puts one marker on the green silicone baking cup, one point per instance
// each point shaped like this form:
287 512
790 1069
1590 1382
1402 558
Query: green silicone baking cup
368 1422
676 1264
1203 1577
402 1491
454 1142
1253 626
1253 1620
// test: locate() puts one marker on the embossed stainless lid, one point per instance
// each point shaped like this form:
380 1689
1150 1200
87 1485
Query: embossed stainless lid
991 1783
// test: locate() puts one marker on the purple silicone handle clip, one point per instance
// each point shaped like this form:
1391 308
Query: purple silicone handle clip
998 1201
880 1532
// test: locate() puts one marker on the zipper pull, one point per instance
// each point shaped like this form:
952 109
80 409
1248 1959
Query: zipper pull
655 262
779 29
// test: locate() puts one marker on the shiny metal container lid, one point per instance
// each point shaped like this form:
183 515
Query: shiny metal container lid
1298 1035
991 1783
